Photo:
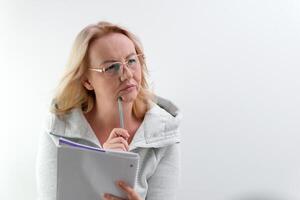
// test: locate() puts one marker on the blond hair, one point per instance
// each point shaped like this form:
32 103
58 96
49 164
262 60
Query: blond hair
70 91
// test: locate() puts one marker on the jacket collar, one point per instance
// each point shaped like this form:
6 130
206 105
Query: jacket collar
159 127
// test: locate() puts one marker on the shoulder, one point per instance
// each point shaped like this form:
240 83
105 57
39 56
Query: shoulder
160 127
167 106
164 114
70 124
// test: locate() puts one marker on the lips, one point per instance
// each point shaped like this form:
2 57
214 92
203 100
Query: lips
128 87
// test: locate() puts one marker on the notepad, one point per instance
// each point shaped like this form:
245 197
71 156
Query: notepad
85 172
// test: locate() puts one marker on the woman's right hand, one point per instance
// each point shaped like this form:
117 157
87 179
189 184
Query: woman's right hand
117 140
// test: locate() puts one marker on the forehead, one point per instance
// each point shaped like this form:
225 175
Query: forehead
111 46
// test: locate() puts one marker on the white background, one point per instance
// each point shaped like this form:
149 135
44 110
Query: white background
231 66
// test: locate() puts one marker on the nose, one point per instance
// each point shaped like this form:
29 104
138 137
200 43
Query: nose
126 73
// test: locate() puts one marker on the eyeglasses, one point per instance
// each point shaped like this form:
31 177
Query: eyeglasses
117 68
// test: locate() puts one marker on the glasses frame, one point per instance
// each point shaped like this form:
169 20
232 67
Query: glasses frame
103 69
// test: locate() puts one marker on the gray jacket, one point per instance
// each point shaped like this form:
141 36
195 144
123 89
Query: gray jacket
156 141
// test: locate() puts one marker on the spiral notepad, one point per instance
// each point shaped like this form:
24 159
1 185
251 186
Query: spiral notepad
85 172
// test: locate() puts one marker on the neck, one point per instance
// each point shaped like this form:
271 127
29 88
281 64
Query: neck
105 115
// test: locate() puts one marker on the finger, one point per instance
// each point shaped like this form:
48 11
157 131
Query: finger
115 146
131 193
124 143
111 197
104 198
122 132
116 132
119 140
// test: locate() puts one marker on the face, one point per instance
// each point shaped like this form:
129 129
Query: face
103 52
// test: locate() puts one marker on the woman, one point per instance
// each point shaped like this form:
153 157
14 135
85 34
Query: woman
106 63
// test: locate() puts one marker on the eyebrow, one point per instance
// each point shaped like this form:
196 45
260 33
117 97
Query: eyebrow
111 60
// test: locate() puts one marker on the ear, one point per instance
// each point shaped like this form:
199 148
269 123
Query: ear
86 83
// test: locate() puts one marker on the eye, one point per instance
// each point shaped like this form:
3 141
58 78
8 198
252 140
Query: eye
112 68
132 61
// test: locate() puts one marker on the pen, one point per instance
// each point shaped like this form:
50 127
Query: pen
120 112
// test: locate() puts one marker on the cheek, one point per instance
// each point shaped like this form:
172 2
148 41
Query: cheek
97 82
103 86
138 76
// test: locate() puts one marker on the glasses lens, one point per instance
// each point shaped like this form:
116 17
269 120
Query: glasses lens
112 69
132 62
116 68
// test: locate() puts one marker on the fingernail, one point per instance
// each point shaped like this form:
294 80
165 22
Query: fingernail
120 183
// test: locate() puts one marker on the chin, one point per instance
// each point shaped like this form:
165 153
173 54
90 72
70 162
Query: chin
130 97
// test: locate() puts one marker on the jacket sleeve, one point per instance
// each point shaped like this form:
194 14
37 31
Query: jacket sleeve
46 171
163 184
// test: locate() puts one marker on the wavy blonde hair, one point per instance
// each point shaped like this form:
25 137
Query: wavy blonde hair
70 91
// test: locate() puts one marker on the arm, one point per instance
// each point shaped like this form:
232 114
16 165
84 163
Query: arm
46 162
163 184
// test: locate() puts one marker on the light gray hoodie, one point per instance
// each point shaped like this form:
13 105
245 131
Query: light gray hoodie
156 141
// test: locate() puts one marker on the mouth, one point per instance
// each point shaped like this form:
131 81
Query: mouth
128 88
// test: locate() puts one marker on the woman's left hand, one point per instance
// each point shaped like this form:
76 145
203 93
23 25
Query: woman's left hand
131 193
